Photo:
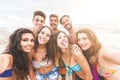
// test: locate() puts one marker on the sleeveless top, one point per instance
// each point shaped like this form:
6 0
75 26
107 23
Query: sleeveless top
105 72
37 64
7 73
75 68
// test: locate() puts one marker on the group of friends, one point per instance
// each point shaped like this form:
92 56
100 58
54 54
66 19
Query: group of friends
47 53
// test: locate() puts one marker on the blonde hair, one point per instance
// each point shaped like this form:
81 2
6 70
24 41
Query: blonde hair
92 53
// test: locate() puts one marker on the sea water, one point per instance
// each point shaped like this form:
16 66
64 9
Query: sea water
108 35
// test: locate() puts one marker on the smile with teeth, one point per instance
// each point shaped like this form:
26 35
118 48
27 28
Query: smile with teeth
41 39
28 47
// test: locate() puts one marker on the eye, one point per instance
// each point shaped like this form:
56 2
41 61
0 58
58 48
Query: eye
48 35
59 37
42 21
51 20
55 20
84 38
64 36
42 32
37 20
32 40
25 39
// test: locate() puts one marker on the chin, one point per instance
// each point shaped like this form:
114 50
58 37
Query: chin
27 51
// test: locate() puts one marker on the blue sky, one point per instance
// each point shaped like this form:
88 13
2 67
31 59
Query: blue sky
16 13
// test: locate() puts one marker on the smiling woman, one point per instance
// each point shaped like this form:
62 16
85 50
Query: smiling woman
15 58
100 58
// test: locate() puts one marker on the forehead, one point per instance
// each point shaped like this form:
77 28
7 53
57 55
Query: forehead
53 17
82 35
61 34
27 35
65 18
39 17
47 30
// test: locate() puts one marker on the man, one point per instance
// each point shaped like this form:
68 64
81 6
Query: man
53 20
67 24
38 21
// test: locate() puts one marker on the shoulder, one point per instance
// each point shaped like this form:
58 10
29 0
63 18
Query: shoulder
108 52
6 56
6 60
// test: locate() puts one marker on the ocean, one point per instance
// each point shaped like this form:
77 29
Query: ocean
108 35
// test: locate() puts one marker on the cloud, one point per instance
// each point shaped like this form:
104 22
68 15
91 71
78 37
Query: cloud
81 11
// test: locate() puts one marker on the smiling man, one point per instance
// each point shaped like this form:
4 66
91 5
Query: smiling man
54 21
38 21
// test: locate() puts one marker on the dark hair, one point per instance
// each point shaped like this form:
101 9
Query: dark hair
40 13
63 17
20 58
53 15
49 46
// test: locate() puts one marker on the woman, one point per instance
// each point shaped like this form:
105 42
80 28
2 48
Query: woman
103 61
43 58
14 62
72 57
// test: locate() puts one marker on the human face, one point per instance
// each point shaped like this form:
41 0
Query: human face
83 41
44 36
66 22
53 23
38 21
62 40
27 42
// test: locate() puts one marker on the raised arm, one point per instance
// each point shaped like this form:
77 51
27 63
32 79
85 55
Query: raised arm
111 55
81 60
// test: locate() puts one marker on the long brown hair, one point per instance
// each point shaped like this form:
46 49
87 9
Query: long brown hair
92 53
50 51
20 57
57 50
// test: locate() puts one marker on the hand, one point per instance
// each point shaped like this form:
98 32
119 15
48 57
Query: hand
76 49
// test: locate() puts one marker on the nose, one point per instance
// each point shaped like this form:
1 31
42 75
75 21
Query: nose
64 39
81 42
53 21
30 42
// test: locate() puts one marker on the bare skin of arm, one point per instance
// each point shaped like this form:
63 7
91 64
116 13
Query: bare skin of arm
110 55
81 60
31 73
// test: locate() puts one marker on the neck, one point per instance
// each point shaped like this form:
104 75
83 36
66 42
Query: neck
71 30
56 30
63 50
42 48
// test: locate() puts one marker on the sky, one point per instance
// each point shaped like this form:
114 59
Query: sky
19 13
16 13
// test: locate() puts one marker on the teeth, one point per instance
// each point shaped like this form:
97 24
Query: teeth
41 39
28 47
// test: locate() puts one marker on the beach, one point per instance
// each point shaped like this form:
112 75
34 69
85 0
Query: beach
108 35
